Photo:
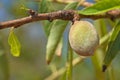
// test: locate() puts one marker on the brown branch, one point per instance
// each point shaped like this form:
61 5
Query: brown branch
63 15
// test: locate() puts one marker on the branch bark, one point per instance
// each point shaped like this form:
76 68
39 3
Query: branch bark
63 15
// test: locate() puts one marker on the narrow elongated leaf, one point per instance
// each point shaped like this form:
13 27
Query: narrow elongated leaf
47 27
97 61
14 44
73 5
101 7
115 31
69 65
56 32
113 46
54 38
46 6
43 6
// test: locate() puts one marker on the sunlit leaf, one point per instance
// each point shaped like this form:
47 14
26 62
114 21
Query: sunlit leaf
57 29
14 43
113 46
103 27
101 7
58 51
97 60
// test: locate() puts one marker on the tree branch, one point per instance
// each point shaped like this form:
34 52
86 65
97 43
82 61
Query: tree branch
56 74
63 15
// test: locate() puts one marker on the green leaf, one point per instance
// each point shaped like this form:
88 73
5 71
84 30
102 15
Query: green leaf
14 43
57 29
103 27
113 46
97 61
115 31
47 27
101 7
69 67
71 6
54 38
43 6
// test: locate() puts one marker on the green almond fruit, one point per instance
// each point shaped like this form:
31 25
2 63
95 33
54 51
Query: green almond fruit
83 38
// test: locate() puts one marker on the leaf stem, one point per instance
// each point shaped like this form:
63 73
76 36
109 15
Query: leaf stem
69 65
59 72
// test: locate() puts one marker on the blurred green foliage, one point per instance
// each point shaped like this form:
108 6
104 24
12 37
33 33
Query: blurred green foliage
31 65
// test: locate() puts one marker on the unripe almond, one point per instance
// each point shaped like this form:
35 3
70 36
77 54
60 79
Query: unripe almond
83 38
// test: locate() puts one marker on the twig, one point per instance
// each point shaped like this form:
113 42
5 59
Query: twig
63 15
62 70
69 68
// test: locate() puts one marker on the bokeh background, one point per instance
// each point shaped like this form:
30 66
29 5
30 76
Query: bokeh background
31 65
